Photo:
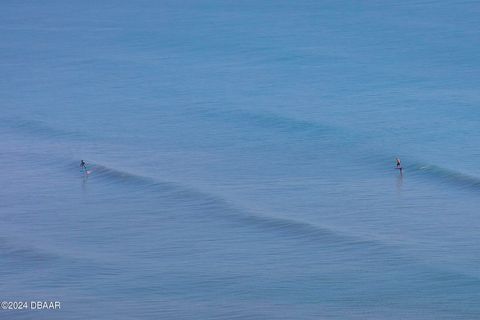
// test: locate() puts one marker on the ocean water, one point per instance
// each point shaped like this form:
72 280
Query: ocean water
242 159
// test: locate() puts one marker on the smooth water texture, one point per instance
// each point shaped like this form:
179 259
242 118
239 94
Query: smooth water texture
242 159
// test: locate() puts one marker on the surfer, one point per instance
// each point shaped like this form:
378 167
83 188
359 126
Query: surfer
399 163
83 165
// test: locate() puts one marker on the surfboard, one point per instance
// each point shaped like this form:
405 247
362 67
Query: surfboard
399 168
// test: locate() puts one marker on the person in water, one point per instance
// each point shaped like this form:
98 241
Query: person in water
399 163
83 165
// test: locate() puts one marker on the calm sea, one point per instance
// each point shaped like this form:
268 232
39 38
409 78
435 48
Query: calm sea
242 158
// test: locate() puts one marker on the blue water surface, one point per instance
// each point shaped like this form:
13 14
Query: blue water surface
242 159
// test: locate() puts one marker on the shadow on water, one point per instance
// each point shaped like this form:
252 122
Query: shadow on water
399 181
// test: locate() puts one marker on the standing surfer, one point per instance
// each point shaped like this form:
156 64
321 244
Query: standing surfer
399 164
83 165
